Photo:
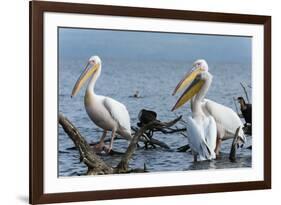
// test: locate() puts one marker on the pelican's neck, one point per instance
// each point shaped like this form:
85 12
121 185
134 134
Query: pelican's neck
91 85
196 101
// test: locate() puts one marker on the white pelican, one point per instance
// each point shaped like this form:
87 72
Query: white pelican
227 121
201 128
105 112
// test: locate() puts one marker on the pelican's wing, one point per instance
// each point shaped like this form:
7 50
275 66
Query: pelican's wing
223 115
119 112
211 135
196 140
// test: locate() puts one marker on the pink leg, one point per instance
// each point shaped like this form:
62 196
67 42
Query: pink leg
218 146
99 147
112 140
220 135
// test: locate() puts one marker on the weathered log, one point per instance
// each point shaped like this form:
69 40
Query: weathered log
170 130
147 139
159 143
245 91
124 163
94 163
92 144
184 148
158 126
232 154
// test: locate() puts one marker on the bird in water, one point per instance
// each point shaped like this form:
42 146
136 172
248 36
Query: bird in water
137 94
105 112
246 110
227 121
146 116
201 128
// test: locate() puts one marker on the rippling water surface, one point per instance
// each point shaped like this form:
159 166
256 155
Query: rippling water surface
155 80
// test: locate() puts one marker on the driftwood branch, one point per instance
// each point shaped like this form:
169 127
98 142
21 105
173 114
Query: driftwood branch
158 126
184 148
147 139
171 130
124 163
245 91
232 154
95 164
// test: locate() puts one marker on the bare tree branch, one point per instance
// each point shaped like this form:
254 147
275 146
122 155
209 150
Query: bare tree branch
95 164
124 163
232 154
245 91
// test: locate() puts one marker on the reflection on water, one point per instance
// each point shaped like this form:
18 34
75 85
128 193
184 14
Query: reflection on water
155 82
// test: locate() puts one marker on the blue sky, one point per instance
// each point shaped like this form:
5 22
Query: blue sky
130 45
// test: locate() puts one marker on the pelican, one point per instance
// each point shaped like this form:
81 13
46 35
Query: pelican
201 128
105 112
227 121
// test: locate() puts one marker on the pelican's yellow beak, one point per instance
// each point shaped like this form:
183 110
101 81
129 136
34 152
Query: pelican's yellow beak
192 89
187 79
89 70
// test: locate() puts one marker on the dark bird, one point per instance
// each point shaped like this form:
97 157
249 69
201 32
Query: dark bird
246 110
146 116
137 94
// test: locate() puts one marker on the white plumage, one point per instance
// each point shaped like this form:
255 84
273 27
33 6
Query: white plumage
226 120
105 112
202 137
201 128
120 114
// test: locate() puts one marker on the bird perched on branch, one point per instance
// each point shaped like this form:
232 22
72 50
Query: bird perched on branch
205 112
146 116
105 112
246 109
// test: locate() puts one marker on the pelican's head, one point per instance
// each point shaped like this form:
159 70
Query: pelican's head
93 65
195 76
94 59
202 64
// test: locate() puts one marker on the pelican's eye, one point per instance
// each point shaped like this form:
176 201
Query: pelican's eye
197 65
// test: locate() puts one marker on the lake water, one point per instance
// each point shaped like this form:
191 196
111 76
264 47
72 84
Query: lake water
155 80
